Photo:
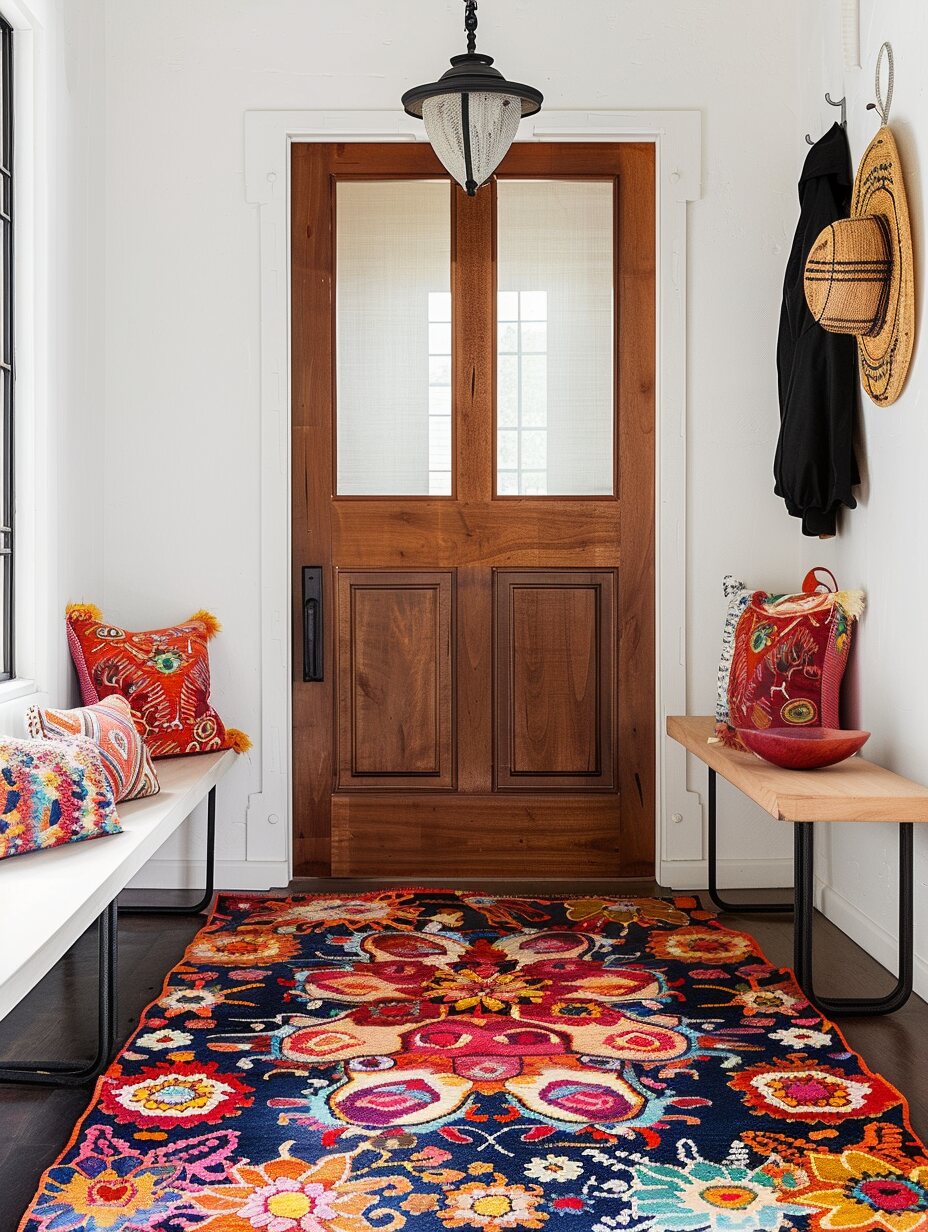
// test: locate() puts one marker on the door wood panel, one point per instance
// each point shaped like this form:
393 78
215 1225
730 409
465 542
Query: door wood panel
395 680
402 763
459 835
554 713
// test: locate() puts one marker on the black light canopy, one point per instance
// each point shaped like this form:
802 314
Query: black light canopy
472 112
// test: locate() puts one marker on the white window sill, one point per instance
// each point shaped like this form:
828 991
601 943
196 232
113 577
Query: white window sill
13 690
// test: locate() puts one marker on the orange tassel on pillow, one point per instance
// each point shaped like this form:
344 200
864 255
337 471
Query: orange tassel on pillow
238 740
209 620
83 611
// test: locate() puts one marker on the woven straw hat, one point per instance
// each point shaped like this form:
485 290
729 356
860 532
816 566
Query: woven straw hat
860 277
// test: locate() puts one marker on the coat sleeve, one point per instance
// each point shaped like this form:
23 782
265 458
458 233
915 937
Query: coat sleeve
815 467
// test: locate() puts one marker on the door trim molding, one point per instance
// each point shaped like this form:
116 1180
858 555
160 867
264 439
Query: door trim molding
677 136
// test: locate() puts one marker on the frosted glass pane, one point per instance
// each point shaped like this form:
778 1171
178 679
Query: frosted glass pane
439 399
534 450
439 370
507 450
508 337
439 339
507 391
534 335
555 309
508 306
440 306
439 443
393 337
534 390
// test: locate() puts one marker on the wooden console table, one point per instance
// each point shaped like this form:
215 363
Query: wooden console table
856 790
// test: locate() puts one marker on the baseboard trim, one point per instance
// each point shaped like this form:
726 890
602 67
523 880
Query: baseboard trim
733 874
879 943
230 875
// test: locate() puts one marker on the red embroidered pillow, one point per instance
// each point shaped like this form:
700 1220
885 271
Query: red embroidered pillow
163 674
789 658
109 723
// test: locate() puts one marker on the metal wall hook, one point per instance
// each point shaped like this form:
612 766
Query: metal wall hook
842 103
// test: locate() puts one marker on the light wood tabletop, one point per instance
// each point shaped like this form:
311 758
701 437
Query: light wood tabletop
855 790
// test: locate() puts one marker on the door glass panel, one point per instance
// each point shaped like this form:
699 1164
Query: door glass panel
555 338
393 337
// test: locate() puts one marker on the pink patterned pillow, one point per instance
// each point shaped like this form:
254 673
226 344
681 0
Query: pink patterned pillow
52 792
109 723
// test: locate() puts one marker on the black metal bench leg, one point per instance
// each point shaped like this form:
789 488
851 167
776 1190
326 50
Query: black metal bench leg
73 1073
805 916
201 905
721 903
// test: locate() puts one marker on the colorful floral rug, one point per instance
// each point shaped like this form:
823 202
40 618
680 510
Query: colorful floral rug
446 1060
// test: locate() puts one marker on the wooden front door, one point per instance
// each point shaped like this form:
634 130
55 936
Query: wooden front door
473 484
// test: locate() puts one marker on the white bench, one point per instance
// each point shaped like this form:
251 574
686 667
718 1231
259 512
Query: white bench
48 899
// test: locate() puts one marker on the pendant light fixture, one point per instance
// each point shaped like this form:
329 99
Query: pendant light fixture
472 112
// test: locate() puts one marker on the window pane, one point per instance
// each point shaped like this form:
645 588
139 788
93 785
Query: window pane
439 370
508 306
507 450
439 339
508 337
439 399
507 391
393 339
439 305
556 323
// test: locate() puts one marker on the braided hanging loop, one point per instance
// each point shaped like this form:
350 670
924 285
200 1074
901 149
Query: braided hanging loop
882 105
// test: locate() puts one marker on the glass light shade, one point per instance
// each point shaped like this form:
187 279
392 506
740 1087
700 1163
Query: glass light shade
493 121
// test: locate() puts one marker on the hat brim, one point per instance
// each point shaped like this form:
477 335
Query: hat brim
879 191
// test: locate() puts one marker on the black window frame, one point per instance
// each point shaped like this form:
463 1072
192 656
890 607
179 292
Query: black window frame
7 467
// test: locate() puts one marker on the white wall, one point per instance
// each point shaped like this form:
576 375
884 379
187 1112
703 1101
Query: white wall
880 544
180 497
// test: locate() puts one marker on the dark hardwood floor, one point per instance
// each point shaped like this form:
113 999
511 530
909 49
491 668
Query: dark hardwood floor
58 1019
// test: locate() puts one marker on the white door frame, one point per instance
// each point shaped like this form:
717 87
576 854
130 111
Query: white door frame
677 137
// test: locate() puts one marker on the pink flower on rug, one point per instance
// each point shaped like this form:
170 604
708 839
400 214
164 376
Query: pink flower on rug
287 1203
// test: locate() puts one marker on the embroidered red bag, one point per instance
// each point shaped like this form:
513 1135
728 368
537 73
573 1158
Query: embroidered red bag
163 674
788 662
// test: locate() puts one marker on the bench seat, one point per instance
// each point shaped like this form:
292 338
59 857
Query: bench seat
48 899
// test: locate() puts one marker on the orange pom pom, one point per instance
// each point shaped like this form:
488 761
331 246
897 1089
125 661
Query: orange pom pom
209 620
83 611
238 741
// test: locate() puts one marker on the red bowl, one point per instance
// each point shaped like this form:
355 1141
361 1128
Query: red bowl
803 748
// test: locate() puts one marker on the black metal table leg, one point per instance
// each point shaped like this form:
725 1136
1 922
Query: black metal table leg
805 915
74 1073
202 904
721 903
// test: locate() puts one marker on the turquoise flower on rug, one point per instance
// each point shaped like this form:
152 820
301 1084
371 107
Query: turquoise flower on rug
700 1195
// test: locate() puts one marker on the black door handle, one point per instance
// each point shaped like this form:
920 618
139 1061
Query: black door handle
313 639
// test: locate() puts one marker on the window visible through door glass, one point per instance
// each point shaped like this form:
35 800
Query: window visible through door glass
555 341
393 337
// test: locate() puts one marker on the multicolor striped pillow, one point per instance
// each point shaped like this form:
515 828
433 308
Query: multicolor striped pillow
109 723
52 792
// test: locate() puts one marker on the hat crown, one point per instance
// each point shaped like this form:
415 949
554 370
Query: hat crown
847 276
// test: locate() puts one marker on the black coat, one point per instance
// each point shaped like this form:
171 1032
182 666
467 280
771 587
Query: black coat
815 468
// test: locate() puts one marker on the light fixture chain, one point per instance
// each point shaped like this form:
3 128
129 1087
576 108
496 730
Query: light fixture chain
470 25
